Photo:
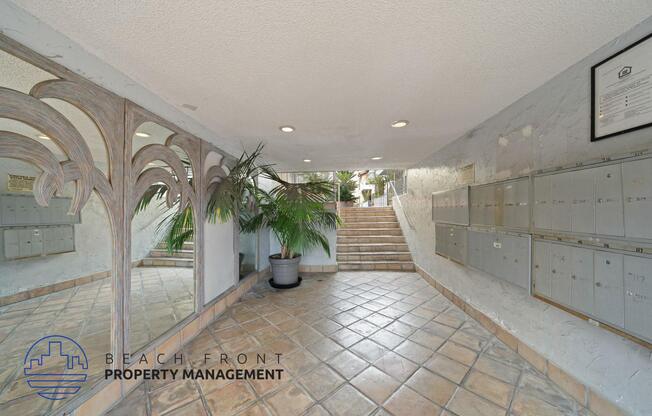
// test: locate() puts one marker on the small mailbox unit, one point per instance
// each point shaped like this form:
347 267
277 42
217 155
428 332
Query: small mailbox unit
30 230
578 237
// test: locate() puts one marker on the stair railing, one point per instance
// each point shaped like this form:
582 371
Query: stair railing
400 204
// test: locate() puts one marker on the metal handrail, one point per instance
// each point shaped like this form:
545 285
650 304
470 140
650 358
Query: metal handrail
337 198
398 198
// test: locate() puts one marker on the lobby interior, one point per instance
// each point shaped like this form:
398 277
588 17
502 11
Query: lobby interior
489 163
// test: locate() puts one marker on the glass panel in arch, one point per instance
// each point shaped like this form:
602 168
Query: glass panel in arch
220 272
153 133
88 130
248 254
162 252
55 273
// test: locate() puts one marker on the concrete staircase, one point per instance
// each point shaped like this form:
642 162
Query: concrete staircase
159 257
371 239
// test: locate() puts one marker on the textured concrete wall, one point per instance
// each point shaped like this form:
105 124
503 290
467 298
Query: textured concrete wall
548 127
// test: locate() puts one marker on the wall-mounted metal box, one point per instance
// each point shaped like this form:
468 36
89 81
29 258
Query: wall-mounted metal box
606 285
612 200
609 291
637 196
516 203
451 241
582 208
638 296
451 206
609 200
483 204
501 254
30 230
541 274
592 228
22 210
561 193
24 242
503 204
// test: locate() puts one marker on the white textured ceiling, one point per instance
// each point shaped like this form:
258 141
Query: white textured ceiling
340 71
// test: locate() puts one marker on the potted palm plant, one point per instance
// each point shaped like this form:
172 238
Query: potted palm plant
296 214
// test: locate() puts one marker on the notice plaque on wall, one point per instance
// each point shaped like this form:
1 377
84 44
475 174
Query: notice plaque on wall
20 183
621 91
466 174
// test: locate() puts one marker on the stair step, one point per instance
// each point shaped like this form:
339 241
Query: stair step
185 254
372 239
166 262
369 218
389 239
377 265
369 247
368 231
369 209
368 212
374 256
188 245
371 224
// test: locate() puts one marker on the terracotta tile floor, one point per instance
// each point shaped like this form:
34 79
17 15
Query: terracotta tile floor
161 297
355 343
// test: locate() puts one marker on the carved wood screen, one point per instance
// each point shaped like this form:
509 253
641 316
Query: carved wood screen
128 175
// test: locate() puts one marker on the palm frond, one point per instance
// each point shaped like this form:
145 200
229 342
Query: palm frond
296 214
177 228
230 196
154 192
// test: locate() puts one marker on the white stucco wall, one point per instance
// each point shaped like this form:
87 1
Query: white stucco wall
315 256
548 127
219 259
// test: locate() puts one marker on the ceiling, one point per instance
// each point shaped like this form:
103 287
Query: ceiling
339 71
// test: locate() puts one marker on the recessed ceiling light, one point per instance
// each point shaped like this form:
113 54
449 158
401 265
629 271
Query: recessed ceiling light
43 137
286 129
400 123
307 160
142 134
376 158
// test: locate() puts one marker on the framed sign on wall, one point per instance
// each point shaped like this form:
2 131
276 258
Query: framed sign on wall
621 91
20 183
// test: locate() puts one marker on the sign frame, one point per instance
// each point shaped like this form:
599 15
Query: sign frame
593 137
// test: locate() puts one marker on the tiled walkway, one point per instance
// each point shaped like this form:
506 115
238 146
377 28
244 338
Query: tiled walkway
355 343
160 297
84 314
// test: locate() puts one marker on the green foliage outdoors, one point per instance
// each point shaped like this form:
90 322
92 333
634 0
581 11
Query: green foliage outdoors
379 182
348 185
